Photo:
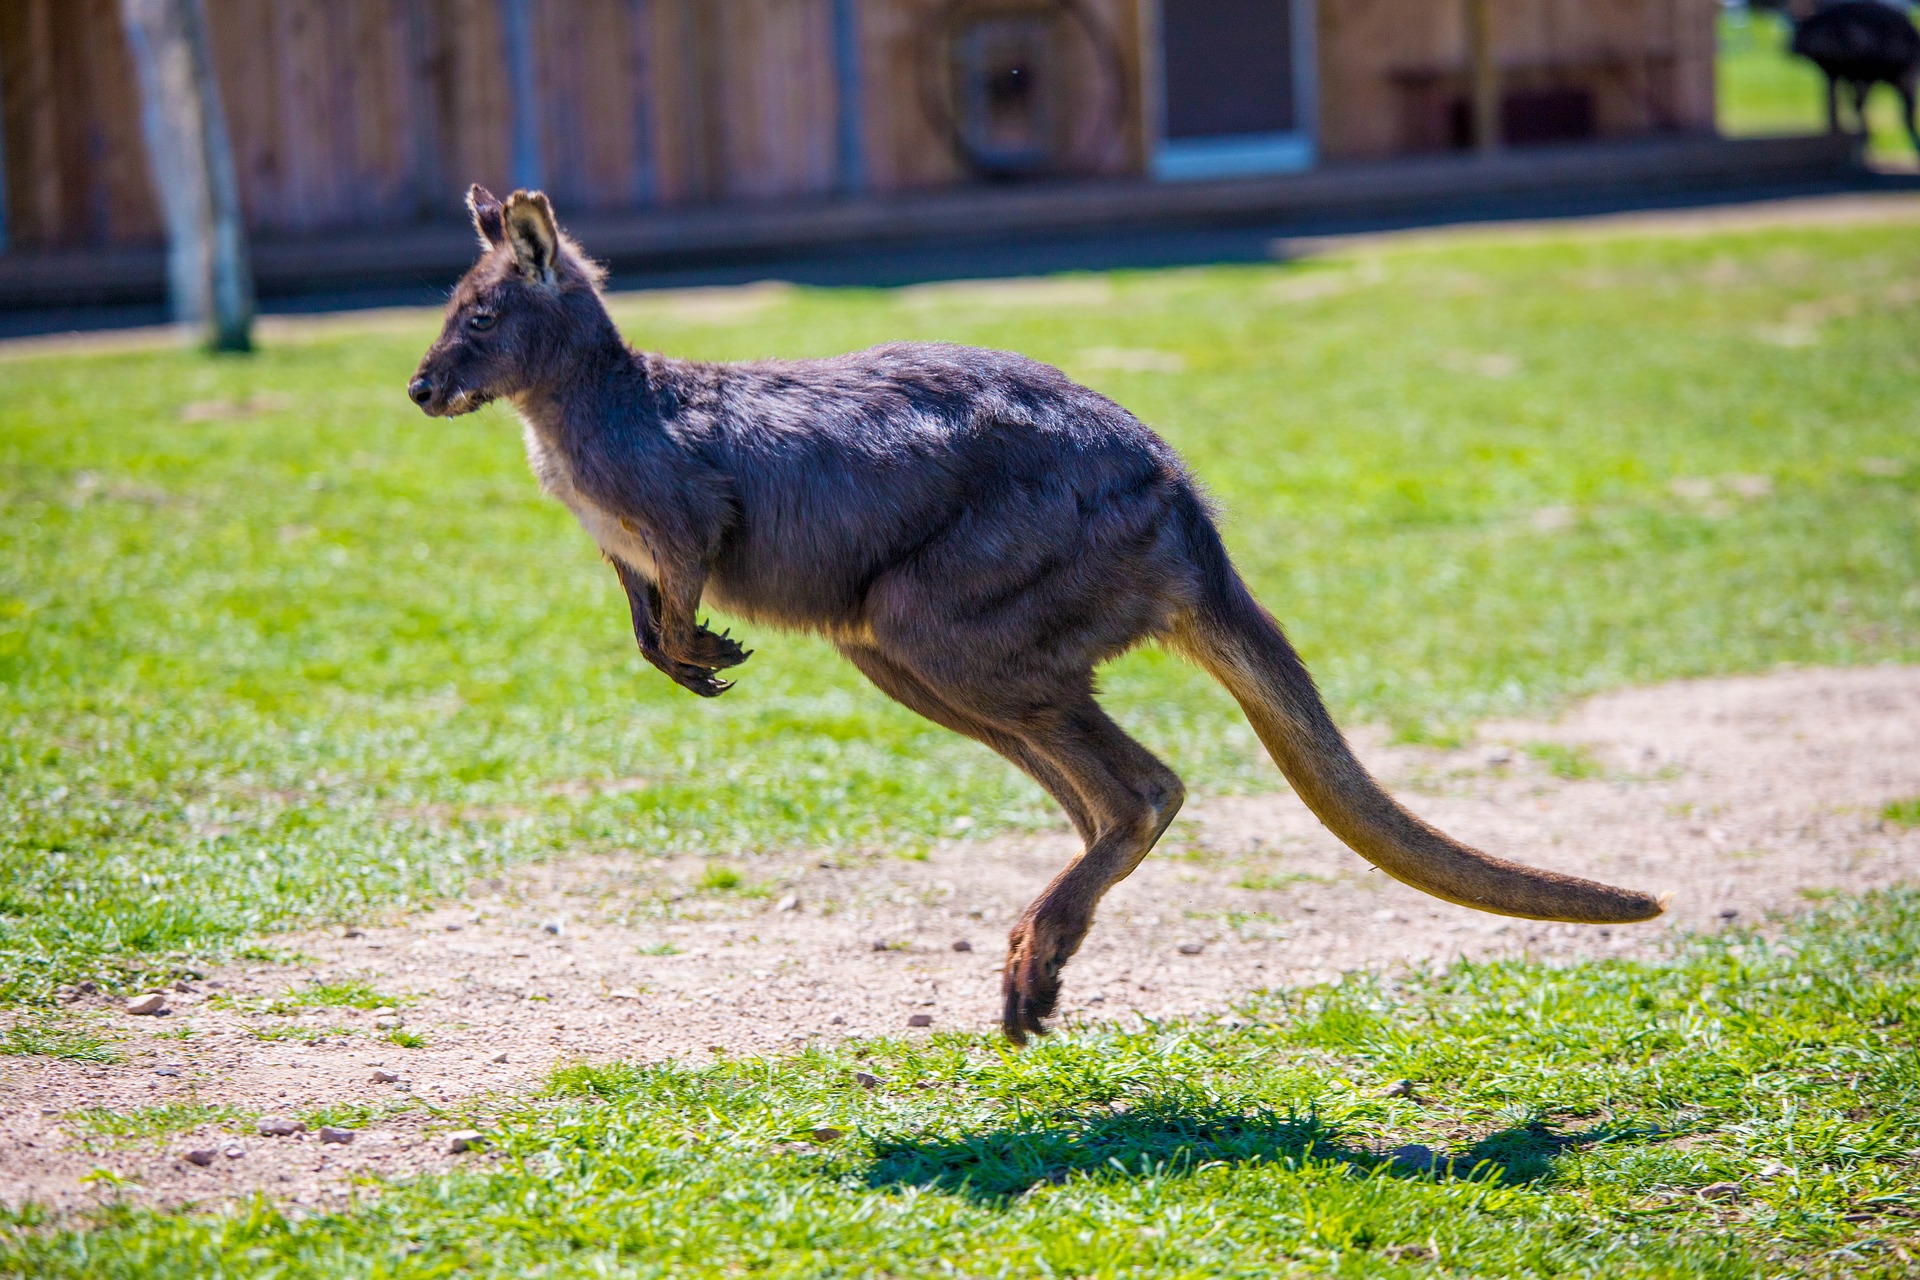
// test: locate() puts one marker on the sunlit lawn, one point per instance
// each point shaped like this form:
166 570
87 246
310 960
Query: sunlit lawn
1751 1110
274 647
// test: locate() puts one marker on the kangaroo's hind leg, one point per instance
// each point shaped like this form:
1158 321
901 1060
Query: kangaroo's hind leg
1118 795
1131 797
908 689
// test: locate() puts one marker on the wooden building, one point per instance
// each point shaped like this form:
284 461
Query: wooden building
361 114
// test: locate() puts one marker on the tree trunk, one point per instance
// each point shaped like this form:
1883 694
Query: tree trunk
192 164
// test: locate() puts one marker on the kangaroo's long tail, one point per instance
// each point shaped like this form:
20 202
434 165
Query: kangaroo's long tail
1241 645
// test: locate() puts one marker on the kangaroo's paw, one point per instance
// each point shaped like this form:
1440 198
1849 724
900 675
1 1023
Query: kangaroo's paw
699 680
714 652
1031 983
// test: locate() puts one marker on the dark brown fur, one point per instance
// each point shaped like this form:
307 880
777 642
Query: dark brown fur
975 532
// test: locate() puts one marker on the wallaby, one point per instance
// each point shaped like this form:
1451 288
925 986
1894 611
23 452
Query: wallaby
1858 43
973 530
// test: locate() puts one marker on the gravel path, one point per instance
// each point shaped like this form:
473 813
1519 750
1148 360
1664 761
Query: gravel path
1741 797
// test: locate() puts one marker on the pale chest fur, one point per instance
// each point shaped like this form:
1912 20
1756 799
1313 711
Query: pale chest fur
614 537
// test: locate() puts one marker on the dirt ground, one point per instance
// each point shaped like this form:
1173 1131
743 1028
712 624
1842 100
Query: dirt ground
1740 797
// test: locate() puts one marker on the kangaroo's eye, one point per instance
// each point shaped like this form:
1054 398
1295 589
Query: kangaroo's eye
480 320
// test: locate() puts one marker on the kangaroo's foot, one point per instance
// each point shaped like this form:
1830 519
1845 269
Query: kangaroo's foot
713 652
1036 953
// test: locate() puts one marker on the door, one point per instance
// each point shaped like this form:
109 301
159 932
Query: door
1236 79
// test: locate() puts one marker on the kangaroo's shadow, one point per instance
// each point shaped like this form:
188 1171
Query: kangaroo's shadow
1002 1162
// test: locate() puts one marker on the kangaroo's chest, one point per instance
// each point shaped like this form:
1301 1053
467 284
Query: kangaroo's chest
615 537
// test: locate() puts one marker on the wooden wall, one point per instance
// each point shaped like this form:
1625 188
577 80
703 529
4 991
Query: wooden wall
76 164
371 113
1393 72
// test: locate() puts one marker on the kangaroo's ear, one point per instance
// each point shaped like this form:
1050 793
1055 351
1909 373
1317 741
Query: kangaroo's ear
485 208
533 235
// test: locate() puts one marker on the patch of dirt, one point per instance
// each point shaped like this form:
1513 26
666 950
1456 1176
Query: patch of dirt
1740 797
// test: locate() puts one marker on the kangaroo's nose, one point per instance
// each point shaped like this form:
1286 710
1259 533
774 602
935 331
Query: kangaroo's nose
420 391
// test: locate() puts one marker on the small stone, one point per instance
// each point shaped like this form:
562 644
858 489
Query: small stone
1387 915
499 1057
87 988
624 993
826 1133
920 1020
385 1077
203 1158
1410 1252
1499 756
391 1022
148 1005
354 933
166 1071
866 1080
1415 1158
331 1133
556 926
454 926
180 985
1720 1191
961 944
1729 913
281 1127
789 903
466 1140
233 1151
881 944
1400 1089
837 1020
1192 948
1856 1217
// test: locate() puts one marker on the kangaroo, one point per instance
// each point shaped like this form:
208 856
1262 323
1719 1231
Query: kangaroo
971 529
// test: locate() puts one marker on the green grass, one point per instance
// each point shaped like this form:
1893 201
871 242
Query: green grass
720 879
325 659
345 993
1902 813
1583 1111
152 1122
1562 761
294 1031
1763 89
63 1036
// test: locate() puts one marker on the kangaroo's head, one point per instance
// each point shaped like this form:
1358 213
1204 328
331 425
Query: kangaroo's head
520 319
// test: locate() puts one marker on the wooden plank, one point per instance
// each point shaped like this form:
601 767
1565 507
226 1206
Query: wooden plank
31 111
122 185
480 107
246 50
642 107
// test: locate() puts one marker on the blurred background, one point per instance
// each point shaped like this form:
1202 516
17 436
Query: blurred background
718 135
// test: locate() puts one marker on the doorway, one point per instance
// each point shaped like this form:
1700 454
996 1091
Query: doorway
1236 85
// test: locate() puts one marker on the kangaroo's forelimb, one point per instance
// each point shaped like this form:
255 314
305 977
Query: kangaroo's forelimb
704 654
